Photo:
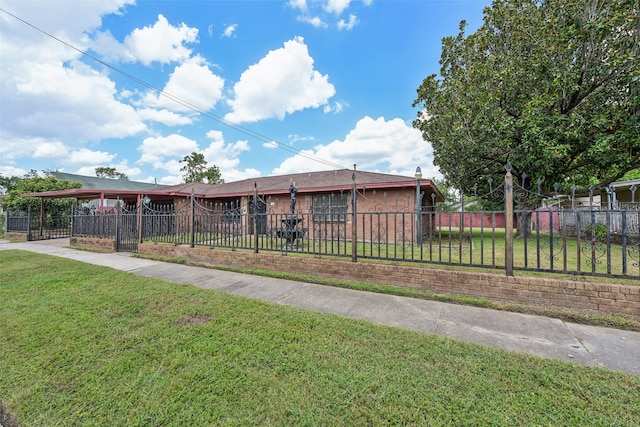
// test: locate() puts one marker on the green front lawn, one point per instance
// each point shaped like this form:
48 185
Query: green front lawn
88 345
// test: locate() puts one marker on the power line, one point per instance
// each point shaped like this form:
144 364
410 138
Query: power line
190 106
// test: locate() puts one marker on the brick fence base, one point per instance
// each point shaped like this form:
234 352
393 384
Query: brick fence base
603 298
19 236
94 242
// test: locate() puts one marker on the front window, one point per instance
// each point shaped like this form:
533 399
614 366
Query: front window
330 207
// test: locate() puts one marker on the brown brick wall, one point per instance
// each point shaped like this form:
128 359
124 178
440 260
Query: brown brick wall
94 242
584 296
15 235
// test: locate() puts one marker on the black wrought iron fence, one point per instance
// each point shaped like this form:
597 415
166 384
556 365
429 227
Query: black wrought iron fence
90 221
18 221
588 238
582 242
41 226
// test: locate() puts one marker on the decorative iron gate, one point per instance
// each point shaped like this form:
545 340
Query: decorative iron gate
119 223
127 229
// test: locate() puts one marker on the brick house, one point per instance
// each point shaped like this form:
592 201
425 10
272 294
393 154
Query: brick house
322 197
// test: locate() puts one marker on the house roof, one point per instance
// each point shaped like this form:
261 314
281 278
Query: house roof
94 182
309 182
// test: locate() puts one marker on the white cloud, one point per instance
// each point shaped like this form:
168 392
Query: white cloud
230 31
170 180
8 171
156 150
67 20
165 152
372 145
297 138
226 156
344 25
315 21
54 150
336 6
85 156
281 83
48 94
161 42
192 84
73 103
270 145
298 4
163 116
336 108
58 152
318 13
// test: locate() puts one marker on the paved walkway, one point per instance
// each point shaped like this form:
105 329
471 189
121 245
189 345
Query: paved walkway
542 336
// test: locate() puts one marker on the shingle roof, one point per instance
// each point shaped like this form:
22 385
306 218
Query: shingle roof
94 182
308 182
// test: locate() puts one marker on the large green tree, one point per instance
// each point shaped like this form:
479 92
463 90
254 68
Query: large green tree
551 86
196 170
8 183
112 173
35 184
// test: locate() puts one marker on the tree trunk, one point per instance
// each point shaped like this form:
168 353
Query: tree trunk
523 215
523 223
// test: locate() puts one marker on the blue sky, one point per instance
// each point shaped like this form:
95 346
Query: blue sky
259 87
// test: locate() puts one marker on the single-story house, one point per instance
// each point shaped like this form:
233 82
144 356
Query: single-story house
323 196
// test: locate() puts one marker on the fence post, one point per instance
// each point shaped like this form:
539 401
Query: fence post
193 219
41 235
255 217
508 208
139 218
29 223
418 177
354 215
117 221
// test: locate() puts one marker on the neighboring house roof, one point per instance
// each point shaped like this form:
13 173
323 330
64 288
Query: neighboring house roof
623 185
309 182
94 182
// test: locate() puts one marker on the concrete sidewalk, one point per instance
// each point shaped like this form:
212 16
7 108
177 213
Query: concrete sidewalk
542 336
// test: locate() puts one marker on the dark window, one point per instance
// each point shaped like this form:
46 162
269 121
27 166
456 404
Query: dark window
330 207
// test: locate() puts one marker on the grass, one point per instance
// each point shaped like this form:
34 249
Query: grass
87 345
